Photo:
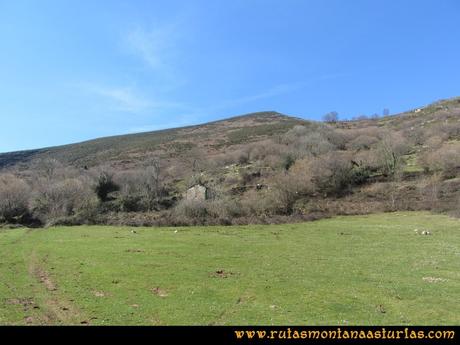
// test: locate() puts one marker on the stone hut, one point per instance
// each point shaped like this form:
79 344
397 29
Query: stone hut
197 192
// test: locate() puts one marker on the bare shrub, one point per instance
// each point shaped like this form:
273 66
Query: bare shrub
315 143
259 150
331 174
195 160
273 161
256 202
430 191
417 135
434 142
152 184
220 210
286 189
390 150
14 198
368 159
446 130
66 198
446 159
331 117
53 170
224 209
313 140
337 137
335 174
285 193
243 157
190 209
362 142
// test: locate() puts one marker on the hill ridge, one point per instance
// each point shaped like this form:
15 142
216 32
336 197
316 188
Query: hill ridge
235 130
161 135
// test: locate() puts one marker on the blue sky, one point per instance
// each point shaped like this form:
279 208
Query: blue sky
81 69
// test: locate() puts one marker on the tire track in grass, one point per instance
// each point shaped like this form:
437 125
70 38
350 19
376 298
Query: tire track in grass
56 308
17 300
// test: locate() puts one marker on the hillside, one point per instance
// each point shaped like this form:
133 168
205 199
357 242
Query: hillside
260 167
218 135
170 142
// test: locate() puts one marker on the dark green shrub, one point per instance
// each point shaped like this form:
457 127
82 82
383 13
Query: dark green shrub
104 186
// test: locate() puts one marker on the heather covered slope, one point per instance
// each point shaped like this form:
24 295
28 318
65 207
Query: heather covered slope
133 148
219 135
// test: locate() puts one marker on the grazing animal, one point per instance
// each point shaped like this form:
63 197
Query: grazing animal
423 232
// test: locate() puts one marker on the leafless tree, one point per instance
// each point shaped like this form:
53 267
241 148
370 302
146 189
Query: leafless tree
331 117
391 149
431 189
153 183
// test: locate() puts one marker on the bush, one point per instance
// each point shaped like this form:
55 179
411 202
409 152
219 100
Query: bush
446 159
258 203
243 157
390 150
70 197
284 191
314 140
430 191
130 203
362 142
331 117
224 210
335 174
287 161
14 198
190 209
104 186
315 143
217 211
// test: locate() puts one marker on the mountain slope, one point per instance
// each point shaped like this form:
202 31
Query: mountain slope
254 167
132 147
215 137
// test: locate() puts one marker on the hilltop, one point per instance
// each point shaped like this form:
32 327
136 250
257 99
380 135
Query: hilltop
219 134
132 148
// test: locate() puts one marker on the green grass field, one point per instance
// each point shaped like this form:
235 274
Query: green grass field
348 270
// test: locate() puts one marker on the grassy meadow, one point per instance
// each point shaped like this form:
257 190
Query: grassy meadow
367 270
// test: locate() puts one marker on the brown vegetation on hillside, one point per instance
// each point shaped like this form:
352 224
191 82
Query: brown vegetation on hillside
263 167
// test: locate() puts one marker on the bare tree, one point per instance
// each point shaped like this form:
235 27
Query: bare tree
391 148
331 117
431 191
195 162
51 169
153 183
360 117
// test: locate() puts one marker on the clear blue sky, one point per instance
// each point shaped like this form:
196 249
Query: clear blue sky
81 69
